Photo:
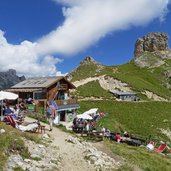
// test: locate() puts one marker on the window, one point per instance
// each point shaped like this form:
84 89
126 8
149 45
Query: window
40 95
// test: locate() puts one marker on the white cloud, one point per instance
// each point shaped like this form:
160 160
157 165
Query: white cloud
86 21
25 59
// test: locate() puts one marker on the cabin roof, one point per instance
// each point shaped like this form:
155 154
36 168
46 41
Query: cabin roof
39 82
121 93
23 89
68 107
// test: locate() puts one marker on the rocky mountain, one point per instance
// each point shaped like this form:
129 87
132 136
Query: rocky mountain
155 42
89 65
88 60
152 50
148 74
9 78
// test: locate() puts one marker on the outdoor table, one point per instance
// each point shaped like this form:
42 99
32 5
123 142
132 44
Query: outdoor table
133 142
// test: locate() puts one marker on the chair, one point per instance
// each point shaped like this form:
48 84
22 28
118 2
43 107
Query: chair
23 126
161 148
11 120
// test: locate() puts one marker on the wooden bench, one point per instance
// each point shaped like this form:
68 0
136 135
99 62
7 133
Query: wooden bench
96 134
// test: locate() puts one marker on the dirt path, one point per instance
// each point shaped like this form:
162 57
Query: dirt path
72 156
80 155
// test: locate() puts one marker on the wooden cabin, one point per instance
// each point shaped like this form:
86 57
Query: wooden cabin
43 89
125 96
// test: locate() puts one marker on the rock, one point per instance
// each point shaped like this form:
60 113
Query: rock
2 131
41 146
42 158
100 160
16 161
73 140
88 60
152 42
45 136
166 132
27 160
168 74
35 156
153 96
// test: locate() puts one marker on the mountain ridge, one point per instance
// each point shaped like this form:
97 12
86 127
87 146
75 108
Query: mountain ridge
147 74
9 78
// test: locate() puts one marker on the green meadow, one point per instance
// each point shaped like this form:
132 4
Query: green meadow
142 118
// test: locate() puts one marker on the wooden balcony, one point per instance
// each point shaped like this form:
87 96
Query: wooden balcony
65 102
62 87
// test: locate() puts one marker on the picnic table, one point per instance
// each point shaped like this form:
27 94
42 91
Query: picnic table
136 140
133 142
96 134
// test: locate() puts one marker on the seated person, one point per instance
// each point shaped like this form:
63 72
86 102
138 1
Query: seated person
126 135
22 106
23 126
96 117
103 129
16 114
107 133
30 100
118 137
150 145
7 111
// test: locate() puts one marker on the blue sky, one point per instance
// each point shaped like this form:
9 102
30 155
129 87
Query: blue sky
49 37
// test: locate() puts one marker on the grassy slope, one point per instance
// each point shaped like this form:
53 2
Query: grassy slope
11 142
139 118
139 158
142 118
139 79
93 89
142 79
84 71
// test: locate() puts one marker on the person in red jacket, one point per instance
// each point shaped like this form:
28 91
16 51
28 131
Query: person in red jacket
118 137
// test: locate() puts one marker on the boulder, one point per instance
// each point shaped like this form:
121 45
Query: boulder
2 131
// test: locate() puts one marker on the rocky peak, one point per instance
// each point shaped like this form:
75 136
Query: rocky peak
12 71
9 78
155 42
88 60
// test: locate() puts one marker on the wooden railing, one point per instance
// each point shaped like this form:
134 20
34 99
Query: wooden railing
64 102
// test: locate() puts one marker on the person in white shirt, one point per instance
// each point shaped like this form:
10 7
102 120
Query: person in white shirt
150 146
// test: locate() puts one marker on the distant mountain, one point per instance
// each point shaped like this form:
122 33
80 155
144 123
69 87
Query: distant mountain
9 78
148 74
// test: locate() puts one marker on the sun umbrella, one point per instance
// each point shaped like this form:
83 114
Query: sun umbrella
7 95
91 112
85 116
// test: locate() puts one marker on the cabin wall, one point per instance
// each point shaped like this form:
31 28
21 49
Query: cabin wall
51 92
128 98
58 90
